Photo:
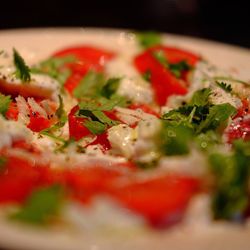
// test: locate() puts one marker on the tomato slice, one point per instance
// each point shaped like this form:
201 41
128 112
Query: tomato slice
161 200
88 58
12 112
164 82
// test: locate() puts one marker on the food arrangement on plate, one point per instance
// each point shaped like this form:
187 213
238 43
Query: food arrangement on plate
97 138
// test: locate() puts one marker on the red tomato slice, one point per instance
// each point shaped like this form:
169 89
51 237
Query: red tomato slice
163 81
88 58
12 112
160 200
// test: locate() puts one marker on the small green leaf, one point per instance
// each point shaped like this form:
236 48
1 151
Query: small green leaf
54 68
90 86
110 87
41 207
3 162
95 127
104 118
201 97
178 68
217 115
226 87
147 75
159 55
4 103
22 70
149 39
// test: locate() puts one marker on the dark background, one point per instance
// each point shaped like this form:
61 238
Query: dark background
222 20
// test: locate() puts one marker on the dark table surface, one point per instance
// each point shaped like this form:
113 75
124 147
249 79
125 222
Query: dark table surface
221 20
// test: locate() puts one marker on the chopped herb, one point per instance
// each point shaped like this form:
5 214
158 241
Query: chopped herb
41 207
110 87
3 162
149 39
54 68
201 97
178 68
90 86
159 55
60 112
22 70
4 103
231 197
224 86
217 115
230 79
175 68
147 75
95 127
174 140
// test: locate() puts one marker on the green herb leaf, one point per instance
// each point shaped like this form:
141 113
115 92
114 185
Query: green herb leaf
22 70
147 76
175 68
4 103
231 198
178 68
54 68
3 162
226 87
95 127
201 97
41 207
90 86
217 115
110 87
149 39
175 140
104 118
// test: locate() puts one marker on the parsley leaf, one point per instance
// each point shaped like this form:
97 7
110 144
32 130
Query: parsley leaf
232 172
175 68
224 86
22 70
201 97
41 207
217 115
4 103
174 140
95 127
149 39
110 87
3 162
90 86
54 68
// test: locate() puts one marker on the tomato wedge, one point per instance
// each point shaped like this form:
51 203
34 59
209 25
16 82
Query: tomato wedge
161 200
164 82
88 58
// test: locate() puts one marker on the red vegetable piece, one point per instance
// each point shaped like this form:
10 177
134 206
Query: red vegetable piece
163 80
160 199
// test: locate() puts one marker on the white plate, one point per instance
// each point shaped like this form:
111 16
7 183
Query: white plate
36 44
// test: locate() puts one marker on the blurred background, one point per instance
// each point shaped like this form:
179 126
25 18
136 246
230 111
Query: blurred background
221 20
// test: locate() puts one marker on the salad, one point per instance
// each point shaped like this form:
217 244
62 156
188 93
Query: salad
146 136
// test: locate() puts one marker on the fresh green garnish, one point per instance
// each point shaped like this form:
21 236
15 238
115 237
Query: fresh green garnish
178 68
60 112
110 87
149 39
232 172
54 68
90 86
3 162
224 86
198 117
41 207
22 70
95 127
4 103
175 68
147 76
230 79
217 115
174 140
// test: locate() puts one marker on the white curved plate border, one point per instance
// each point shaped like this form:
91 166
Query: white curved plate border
41 42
